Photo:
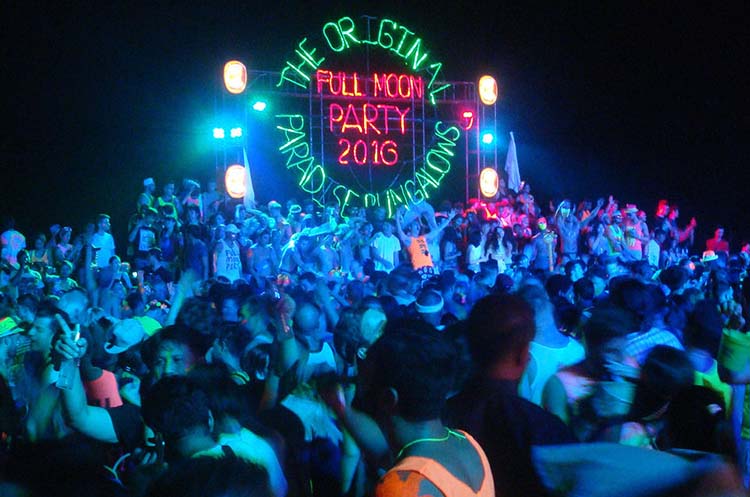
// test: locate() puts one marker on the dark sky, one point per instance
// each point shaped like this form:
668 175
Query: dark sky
643 102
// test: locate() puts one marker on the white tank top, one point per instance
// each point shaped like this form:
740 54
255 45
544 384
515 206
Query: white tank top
228 262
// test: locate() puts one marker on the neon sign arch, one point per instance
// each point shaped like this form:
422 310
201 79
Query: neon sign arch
366 115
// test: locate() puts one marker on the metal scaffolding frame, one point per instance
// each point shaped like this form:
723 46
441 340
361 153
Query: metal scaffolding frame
459 96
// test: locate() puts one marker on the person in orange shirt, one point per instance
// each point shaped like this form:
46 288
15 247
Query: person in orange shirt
417 243
406 377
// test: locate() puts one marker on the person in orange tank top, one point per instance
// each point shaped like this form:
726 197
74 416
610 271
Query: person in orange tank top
406 377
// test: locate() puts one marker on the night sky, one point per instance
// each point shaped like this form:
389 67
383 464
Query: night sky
641 102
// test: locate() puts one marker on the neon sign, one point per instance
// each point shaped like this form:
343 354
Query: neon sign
366 115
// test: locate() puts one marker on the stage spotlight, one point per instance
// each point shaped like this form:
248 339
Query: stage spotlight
234 180
219 133
235 77
487 90
235 133
489 182
259 106
488 138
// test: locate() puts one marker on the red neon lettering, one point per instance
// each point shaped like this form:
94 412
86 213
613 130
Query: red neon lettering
322 76
366 117
350 112
361 157
390 90
417 86
379 83
331 118
404 93
391 150
352 92
370 118
385 108
345 152
385 153
336 79
401 116
338 83
393 85
375 154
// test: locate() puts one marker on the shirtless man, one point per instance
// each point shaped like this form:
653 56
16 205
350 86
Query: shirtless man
296 256
326 257
262 259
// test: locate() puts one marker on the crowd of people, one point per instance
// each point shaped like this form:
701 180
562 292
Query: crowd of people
493 347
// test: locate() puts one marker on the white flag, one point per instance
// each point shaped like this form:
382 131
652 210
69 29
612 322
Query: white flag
511 166
249 200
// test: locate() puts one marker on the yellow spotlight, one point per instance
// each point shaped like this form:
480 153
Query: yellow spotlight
489 182
235 77
487 90
234 180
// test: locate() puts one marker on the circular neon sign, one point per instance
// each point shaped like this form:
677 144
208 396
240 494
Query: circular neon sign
373 116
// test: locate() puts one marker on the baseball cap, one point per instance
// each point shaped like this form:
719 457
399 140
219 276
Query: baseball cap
708 256
8 327
232 228
148 181
126 333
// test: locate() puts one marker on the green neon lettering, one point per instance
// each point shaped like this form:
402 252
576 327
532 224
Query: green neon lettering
417 59
302 75
303 164
291 79
292 136
444 148
294 152
295 137
340 39
392 201
349 31
385 35
452 130
407 32
293 118
433 69
404 192
391 36
436 90
434 158
347 200
307 55
335 193
308 180
426 181
416 194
